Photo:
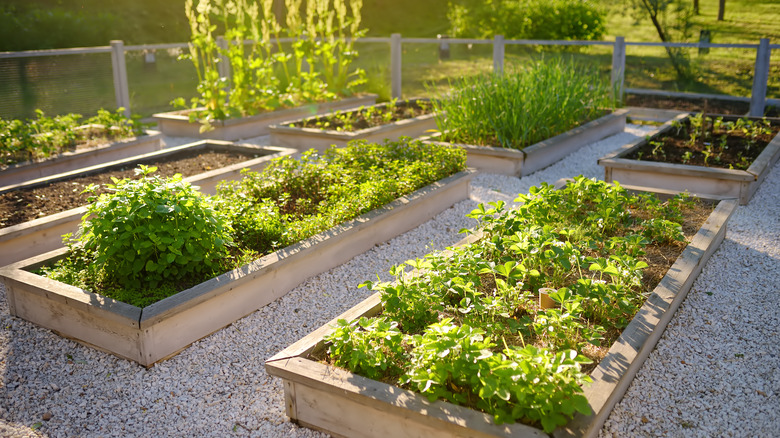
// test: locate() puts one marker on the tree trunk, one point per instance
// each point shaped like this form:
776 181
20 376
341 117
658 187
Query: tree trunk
669 51
696 7
721 9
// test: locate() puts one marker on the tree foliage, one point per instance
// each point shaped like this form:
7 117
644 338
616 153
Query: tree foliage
527 19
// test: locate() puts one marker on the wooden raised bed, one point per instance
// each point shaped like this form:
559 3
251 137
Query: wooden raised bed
709 182
37 236
321 139
69 161
339 402
523 162
177 123
148 335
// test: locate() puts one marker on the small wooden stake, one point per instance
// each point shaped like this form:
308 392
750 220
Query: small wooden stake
545 302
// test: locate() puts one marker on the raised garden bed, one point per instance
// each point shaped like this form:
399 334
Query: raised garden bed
153 333
523 162
177 123
24 240
343 403
411 118
80 158
642 163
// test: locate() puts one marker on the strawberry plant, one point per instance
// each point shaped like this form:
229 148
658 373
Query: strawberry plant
467 326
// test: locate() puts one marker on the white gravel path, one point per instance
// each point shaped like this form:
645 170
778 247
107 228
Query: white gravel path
725 332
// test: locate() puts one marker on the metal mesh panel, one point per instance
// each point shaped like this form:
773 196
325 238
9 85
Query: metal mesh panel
56 84
156 77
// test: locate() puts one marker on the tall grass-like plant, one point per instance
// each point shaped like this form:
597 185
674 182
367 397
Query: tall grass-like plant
519 109
264 76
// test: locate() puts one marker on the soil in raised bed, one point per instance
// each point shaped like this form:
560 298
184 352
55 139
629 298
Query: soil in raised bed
677 148
713 106
24 205
366 117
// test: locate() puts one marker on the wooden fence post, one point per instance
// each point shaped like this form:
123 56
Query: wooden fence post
619 68
498 54
224 63
121 90
760 78
395 65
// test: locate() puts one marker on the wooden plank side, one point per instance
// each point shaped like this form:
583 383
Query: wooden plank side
390 402
547 152
82 323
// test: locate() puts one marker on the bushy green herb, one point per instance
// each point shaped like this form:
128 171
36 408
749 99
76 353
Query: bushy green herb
581 245
43 137
148 233
519 109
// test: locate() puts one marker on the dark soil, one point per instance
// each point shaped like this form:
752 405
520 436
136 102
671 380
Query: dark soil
24 205
367 117
738 152
712 106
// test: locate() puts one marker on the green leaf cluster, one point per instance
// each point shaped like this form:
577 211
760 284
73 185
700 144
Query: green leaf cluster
292 199
149 233
518 109
266 74
43 137
149 238
527 19
473 331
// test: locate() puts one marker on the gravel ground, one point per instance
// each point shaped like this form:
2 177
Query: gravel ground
714 373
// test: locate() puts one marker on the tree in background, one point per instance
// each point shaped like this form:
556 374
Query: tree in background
527 19
672 20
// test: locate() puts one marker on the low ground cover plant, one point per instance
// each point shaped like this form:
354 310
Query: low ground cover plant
467 325
44 137
150 238
702 140
265 74
518 109
367 116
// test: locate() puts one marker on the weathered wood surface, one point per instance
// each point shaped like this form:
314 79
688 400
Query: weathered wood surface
523 162
177 123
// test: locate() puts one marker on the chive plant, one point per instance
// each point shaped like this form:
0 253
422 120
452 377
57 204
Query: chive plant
519 109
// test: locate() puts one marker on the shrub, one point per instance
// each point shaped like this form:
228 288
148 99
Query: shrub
528 19
151 232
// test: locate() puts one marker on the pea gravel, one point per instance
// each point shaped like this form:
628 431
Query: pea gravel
714 373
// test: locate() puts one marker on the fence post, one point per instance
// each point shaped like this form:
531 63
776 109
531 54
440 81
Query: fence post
121 91
224 64
498 54
395 65
618 68
760 78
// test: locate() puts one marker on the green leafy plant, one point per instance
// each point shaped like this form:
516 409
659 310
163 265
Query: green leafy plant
582 245
367 116
149 232
263 76
519 109
148 239
44 137
527 19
